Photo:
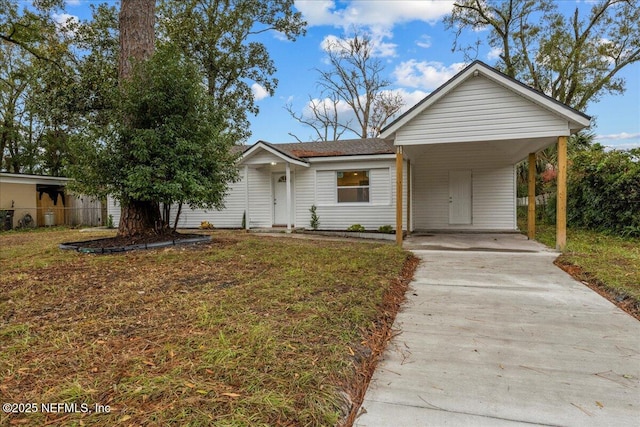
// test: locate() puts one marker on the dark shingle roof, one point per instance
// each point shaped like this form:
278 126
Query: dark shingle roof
347 147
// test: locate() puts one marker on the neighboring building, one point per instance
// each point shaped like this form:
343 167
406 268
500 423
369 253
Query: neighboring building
455 153
35 200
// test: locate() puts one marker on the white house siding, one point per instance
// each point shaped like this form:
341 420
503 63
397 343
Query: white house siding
262 158
318 186
305 184
113 210
493 188
314 185
229 217
480 109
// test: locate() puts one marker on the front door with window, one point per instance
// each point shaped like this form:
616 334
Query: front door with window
460 197
280 199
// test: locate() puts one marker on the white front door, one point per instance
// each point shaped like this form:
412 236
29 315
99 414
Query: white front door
460 197
280 199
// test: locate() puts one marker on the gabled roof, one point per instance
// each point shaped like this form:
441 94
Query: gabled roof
301 152
577 119
272 148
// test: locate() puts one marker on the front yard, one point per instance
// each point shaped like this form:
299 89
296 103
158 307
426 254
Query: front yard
245 330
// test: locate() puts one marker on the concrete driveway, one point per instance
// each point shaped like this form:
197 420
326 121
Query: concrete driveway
494 334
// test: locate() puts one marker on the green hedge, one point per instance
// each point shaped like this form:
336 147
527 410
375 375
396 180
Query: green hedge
603 191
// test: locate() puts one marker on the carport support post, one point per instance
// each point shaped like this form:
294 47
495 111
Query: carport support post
561 208
399 195
531 200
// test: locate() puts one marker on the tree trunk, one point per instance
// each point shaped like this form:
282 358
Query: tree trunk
137 37
140 218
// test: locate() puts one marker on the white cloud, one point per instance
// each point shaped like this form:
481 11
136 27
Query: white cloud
619 141
410 98
424 41
375 18
73 2
384 13
494 53
425 74
619 136
63 18
259 92
66 23
379 47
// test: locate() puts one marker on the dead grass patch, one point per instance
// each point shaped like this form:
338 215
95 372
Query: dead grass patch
244 330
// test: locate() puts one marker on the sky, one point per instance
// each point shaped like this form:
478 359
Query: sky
416 50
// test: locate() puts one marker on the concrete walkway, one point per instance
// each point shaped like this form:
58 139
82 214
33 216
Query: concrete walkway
493 334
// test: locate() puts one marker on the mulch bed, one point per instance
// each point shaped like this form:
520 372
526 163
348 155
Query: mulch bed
120 244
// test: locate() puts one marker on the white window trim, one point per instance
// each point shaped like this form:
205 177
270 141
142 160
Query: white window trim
368 202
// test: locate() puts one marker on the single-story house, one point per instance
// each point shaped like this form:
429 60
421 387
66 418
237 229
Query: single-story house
37 200
448 163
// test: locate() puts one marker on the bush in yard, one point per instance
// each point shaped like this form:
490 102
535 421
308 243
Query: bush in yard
356 227
385 229
603 191
110 222
206 225
315 220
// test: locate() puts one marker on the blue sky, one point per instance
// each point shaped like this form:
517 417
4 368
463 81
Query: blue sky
416 51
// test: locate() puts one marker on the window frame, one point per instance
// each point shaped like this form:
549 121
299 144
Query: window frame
367 173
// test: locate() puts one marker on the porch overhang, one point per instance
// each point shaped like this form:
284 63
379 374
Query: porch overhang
512 151
252 156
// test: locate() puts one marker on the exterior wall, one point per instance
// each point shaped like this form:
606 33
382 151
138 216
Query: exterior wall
493 187
318 186
24 200
262 158
229 217
480 109
314 185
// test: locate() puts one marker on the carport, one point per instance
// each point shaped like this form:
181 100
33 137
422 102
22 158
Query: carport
461 144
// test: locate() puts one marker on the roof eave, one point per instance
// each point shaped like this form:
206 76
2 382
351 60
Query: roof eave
351 157
276 152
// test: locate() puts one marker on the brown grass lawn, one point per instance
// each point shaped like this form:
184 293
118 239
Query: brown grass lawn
245 330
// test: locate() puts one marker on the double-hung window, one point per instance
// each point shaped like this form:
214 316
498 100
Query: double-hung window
353 186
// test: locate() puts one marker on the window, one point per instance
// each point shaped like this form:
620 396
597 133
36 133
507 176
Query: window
353 187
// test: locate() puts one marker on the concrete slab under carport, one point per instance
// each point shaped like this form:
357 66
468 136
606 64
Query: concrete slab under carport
505 338
476 241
